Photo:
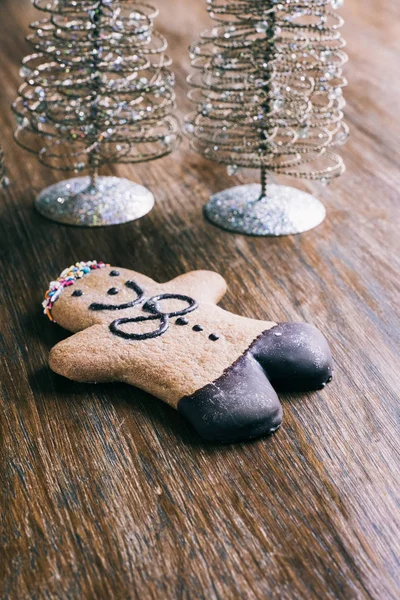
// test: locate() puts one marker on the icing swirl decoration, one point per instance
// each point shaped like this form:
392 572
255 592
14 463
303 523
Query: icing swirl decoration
152 305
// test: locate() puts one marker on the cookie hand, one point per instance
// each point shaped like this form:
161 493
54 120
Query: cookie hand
205 286
84 357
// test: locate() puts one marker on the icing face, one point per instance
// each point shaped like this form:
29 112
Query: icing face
133 306
145 313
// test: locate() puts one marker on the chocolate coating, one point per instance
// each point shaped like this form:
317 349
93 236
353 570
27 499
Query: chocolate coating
295 356
239 405
242 403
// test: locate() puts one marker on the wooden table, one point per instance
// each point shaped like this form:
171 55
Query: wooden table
107 493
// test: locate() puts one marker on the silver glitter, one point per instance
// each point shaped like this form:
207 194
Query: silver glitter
283 211
111 201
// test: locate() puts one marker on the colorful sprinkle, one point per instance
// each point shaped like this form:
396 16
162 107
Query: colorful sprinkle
67 278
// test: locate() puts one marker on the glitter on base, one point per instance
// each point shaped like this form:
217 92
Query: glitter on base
284 211
112 201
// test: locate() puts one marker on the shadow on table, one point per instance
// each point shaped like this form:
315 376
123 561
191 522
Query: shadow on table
147 411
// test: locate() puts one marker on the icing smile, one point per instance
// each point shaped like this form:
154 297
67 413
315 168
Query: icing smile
132 285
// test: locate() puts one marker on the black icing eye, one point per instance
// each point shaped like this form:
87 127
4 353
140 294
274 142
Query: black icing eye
113 291
114 273
77 293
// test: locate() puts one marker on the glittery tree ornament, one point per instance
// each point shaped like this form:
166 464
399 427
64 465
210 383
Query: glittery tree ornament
98 90
268 94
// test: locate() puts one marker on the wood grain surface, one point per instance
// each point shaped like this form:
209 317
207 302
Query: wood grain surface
106 492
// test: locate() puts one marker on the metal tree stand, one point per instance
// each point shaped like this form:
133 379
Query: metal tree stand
85 202
266 209
282 211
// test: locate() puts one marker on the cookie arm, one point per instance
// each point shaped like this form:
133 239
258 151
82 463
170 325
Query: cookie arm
85 357
204 286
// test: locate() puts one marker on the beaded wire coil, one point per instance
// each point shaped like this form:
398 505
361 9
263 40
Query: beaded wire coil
98 88
268 87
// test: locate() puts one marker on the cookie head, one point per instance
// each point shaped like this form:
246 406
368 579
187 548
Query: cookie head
69 285
90 293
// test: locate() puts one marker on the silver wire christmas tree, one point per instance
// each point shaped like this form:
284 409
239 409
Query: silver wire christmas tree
98 90
268 95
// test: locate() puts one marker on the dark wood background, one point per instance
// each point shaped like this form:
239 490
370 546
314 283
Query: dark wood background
106 492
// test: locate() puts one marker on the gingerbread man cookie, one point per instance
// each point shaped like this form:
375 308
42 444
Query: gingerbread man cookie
218 369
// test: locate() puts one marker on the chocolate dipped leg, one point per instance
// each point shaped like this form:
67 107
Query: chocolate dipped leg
295 356
239 405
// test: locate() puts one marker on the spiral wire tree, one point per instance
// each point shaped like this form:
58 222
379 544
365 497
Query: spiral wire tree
268 94
98 90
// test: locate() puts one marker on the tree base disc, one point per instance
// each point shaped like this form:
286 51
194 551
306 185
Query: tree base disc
283 211
113 200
